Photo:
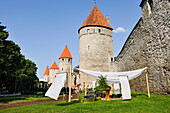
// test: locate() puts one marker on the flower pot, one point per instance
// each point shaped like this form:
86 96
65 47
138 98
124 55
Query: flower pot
107 94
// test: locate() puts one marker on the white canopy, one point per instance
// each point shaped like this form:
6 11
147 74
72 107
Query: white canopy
113 77
117 77
56 86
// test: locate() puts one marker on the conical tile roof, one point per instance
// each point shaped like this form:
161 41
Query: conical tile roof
54 66
46 71
66 53
96 18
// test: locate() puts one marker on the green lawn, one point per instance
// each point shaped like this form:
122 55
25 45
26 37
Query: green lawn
139 103
22 98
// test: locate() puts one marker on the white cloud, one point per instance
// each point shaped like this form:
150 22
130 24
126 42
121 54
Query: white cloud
119 30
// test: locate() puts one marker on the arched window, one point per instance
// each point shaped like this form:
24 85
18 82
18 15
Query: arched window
88 30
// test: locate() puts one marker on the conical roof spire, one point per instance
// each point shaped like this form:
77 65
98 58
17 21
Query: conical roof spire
54 66
95 18
66 53
46 71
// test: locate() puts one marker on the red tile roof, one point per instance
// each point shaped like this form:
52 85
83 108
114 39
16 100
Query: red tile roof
96 18
66 53
54 66
46 71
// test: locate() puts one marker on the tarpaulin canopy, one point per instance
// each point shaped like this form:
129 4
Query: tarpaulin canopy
117 77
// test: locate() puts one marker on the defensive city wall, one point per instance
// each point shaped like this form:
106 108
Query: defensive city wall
148 45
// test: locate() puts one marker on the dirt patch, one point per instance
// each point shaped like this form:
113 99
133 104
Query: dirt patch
74 96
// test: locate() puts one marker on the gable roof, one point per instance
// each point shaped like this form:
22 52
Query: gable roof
54 66
66 53
95 18
46 71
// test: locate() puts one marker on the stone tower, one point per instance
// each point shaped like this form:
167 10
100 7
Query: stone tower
95 44
46 75
65 60
53 72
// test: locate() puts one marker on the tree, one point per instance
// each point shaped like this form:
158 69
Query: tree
10 58
75 70
13 63
27 78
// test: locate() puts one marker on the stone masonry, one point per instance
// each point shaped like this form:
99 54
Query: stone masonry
149 45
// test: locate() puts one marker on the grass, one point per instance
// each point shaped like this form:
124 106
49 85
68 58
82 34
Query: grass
139 103
22 98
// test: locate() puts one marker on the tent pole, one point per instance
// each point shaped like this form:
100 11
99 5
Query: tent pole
66 87
147 82
70 85
85 85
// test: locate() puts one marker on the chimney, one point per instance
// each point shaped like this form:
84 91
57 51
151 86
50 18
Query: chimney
108 19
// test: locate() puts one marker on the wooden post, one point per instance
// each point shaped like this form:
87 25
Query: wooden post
85 85
147 82
66 87
70 84
63 96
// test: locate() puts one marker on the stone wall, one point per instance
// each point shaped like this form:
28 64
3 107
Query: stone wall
52 75
149 45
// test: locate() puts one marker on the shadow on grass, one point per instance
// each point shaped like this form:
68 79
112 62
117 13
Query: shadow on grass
137 94
10 99
69 103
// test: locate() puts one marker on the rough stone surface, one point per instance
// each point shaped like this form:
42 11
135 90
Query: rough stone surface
149 45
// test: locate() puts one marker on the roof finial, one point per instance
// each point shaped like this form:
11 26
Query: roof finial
95 2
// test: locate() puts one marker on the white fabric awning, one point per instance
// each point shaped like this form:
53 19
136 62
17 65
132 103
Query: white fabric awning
113 77
117 77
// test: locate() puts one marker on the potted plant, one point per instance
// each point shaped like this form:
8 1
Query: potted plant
103 86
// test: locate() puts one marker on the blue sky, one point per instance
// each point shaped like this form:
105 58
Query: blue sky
42 28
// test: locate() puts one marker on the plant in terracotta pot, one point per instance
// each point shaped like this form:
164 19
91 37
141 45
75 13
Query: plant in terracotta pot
103 86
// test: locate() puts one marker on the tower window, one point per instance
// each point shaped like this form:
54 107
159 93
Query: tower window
62 69
68 60
111 59
88 30
62 59
99 30
88 47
